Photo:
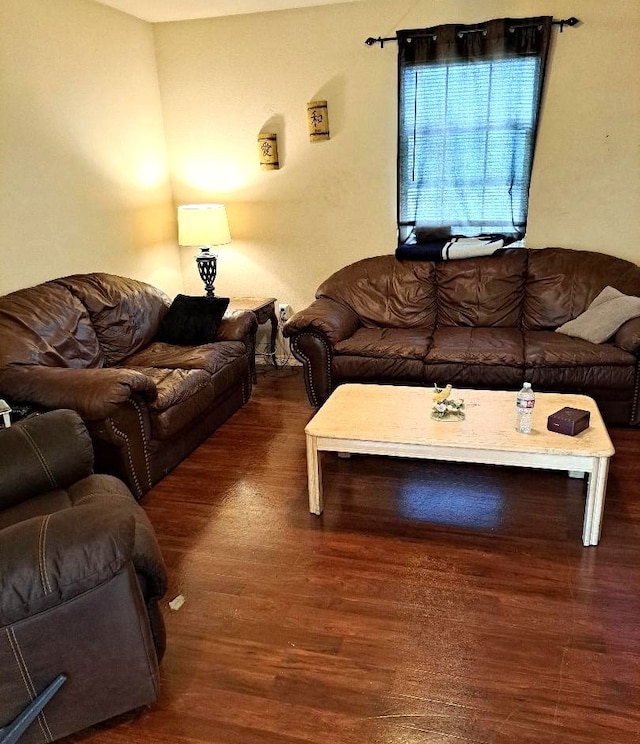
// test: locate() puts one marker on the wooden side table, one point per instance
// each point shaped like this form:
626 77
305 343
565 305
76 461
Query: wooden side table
264 309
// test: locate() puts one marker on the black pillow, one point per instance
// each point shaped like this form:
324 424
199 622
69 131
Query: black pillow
191 321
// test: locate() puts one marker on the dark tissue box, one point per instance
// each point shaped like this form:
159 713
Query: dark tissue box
569 421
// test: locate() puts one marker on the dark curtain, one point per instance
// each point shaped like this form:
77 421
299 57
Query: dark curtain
473 120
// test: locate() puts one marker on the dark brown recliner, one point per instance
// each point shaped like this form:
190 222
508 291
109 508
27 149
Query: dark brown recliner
81 576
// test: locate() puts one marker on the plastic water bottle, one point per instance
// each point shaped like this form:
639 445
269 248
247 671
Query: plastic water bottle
524 408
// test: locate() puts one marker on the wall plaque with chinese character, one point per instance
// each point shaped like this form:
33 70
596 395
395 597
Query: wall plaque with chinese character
268 151
318 120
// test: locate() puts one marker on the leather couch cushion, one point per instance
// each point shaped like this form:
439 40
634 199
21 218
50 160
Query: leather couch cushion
346 368
191 396
550 349
482 292
383 291
211 357
125 312
484 357
406 343
477 346
561 284
47 326
175 385
559 362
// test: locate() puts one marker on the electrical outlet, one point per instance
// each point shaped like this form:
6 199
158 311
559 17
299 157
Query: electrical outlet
284 310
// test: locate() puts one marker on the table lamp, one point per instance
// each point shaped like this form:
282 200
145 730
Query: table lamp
204 225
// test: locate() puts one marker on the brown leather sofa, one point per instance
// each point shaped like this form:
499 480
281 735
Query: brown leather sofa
87 342
478 322
81 576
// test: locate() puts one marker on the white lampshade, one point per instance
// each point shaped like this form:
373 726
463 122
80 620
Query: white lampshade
203 224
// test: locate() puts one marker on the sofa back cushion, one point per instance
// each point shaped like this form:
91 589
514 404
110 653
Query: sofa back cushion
47 326
125 312
562 283
386 292
482 292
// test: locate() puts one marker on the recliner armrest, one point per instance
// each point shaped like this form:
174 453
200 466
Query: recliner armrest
94 393
42 453
51 559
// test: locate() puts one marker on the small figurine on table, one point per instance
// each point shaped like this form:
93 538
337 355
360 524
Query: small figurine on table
444 407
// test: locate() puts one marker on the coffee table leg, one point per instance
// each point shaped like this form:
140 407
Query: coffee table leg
314 475
594 509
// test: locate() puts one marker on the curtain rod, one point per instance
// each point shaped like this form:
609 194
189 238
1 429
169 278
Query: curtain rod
573 21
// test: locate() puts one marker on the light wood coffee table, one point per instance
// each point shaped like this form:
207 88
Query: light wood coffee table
396 420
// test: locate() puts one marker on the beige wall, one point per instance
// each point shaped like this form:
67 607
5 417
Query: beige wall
83 172
83 165
223 80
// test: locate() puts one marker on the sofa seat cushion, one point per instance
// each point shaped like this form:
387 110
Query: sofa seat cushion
210 357
352 368
174 386
550 349
560 362
183 395
475 357
405 343
491 346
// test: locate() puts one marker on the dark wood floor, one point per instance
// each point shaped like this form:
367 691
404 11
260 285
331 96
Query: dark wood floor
431 603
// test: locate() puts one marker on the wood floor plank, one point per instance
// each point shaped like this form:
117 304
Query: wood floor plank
431 603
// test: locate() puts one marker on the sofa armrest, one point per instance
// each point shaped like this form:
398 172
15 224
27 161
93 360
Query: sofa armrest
324 316
628 336
43 453
237 326
93 393
51 559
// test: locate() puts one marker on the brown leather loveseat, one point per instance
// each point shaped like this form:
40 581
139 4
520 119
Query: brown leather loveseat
478 322
81 577
88 342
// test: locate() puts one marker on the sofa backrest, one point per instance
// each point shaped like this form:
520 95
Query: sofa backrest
385 292
534 289
125 313
562 283
482 292
47 326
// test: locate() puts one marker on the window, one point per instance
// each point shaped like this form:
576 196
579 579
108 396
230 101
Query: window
468 106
